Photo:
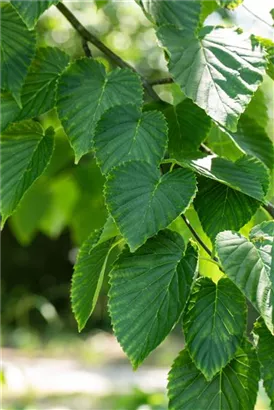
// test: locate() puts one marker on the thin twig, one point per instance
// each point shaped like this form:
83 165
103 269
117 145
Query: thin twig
257 17
269 208
86 48
88 36
161 81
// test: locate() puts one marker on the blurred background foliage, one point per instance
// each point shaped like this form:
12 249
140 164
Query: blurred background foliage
40 241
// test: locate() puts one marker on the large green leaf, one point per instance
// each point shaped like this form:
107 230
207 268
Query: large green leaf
17 51
148 201
235 387
9 109
125 133
39 90
258 109
182 14
253 140
85 92
88 276
30 11
188 127
25 153
265 349
219 70
220 207
148 293
214 324
250 266
246 175
222 145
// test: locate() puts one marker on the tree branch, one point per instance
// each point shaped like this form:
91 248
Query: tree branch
88 36
86 48
161 81
269 208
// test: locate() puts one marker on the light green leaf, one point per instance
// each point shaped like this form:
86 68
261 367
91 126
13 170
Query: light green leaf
17 51
208 7
188 127
25 153
235 387
246 175
182 14
125 133
30 11
148 202
148 293
9 109
101 3
85 92
249 265
230 4
220 207
109 230
214 324
88 277
39 89
221 144
268 46
219 70
253 140
257 108
265 349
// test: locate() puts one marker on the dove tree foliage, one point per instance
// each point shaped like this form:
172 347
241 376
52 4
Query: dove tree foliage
210 155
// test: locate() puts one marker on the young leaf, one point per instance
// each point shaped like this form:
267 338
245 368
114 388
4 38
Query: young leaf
230 4
9 110
250 266
214 324
148 201
125 133
235 387
265 351
148 293
88 276
78 112
182 14
188 127
17 51
25 153
30 11
220 208
39 89
219 70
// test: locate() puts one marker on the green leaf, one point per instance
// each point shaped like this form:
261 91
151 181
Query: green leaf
249 265
88 277
39 90
30 11
25 153
220 208
253 140
208 7
109 230
188 128
246 175
148 293
221 144
148 202
17 51
214 324
9 109
219 70
181 14
101 3
235 387
78 112
268 46
125 133
265 350
258 109
230 4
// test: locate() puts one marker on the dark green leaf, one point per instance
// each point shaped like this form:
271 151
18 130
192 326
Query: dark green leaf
17 51
125 133
9 110
25 153
214 324
265 349
250 266
219 70
148 201
30 11
235 387
149 290
85 92
39 90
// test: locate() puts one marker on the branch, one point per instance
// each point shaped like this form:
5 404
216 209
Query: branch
86 48
88 36
269 208
161 81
